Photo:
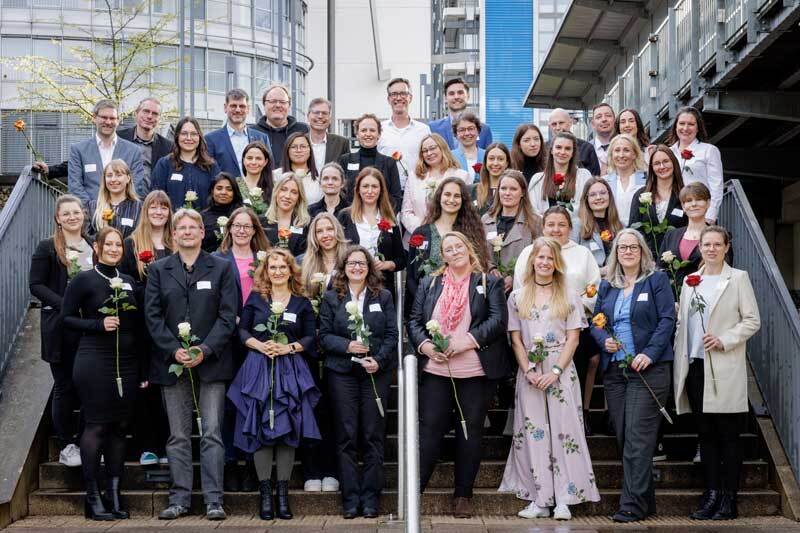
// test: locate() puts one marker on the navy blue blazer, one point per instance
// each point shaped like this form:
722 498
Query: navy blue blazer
176 183
302 329
652 317
221 149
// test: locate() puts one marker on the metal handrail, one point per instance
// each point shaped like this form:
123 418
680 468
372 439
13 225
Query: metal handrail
413 496
401 393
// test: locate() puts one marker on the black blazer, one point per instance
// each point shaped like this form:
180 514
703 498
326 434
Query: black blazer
672 241
335 147
385 164
379 316
161 145
676 218
170 300
319 207
48 282
488 326
297 241
416 258
587 157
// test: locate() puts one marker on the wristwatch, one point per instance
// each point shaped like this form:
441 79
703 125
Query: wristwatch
557 370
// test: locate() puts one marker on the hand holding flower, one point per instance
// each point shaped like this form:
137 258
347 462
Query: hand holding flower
110 323
357 348
370 365
543 381
641 362
710 342
611 345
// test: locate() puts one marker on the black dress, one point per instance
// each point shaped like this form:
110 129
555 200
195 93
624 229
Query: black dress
94 371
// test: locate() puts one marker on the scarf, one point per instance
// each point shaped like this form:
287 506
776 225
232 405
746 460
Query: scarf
454 300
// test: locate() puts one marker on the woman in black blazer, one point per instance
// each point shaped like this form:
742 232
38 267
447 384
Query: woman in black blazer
368 131
471 308
331 181
357 417
286 221
664 183
56 260
371 222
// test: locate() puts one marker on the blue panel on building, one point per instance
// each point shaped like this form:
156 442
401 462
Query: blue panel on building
508 68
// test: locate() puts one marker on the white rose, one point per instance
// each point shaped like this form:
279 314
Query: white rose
261 255
646 198
184 329
255 191
116 283
497 243
433 326
431 185
72 255
352 308
668 257
538 339
247 201
319 277
222 222
277 308
191 196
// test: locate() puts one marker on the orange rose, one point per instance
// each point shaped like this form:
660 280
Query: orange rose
591 290
606 236
19 125
599 320
108 214
284 233
397 156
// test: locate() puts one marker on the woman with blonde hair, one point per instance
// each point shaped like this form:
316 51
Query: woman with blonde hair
287 216
626 172
325 245
435 163
117 204
549 461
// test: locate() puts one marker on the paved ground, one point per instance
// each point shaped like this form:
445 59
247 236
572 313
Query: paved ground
309 524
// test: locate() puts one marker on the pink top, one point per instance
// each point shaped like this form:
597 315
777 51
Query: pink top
462 365
243 265
686 247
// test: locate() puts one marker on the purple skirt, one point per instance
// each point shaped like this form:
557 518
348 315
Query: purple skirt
293 400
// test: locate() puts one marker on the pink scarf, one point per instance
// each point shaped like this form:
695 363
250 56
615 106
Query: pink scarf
453 300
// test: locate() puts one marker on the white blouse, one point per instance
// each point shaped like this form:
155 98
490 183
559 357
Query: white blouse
415 198
540 205
705 166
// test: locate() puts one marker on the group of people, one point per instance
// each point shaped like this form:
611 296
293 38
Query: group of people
241 284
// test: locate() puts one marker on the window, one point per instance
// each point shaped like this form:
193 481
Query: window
14 47
165 61
164 6
244 80
199 69
263 14
264 69
217 11
216 72
242 14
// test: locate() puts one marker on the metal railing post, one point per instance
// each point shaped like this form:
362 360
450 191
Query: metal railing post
412 446
401 394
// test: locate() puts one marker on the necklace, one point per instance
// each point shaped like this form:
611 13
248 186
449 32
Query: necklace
116 274
543 284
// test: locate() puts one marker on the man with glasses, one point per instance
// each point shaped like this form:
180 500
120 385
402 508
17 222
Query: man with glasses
326 146
401 134
226 145
192 286
276 122
144 134
456 94
88 158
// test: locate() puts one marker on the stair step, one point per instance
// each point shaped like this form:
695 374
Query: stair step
668 475
759 502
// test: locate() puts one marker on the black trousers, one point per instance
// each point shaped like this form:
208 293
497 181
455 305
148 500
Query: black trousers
319 457
587 347
359 427
65 401
436 411
151 428
720 446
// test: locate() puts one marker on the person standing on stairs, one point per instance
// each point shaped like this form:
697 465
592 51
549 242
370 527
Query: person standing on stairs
549 461
107 371
717 314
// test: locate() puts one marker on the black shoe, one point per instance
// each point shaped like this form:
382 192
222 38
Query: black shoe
370 512
625 516
727 506
214 511
349 514
587 429
231 481
112 501
708 505
660 454
284 512
93 507
266 512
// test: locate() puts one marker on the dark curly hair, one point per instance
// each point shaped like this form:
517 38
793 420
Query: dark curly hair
374 280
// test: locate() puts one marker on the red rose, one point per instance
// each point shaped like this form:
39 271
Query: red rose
397 156
687 154
146 257
384 225
558 179
477 167
416 241
693 280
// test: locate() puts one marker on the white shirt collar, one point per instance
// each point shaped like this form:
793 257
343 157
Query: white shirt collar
324 140
232 132
100 141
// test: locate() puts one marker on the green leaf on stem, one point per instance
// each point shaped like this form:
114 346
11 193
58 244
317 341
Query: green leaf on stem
176 369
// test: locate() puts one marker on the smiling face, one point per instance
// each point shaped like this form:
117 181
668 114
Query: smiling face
623 155
331 182
598 197
455 252
368 133
70 217
686 128
356 267
510 193
562 151
629 251
278 270
237 111
188 233
695 208
148 114
431 153
106 121
556 225
559 121
222 193
713 248
117 180
325 233
242 230
662 165
369 189
544 262
627 124
530 143
467 133
276 104
188 137
287 196
111 251
451 198
319 117
158 214
254 161
299 151
603 120
456 97
496 162
399 97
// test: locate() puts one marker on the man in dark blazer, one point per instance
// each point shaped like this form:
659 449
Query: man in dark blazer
558 121
226 145
326 146
144 134
192 287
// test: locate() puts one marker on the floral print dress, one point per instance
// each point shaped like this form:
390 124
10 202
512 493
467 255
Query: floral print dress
549 460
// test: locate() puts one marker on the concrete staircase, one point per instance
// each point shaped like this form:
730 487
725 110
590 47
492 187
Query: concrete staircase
678 480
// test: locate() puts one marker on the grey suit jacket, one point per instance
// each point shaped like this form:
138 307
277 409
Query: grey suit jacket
336 147
85 167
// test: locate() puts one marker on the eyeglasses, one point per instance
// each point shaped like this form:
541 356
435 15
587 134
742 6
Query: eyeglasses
320 113
629 248
189 135
471 129
241 227
278 268
277 102
428 150
356 264
398 94
299 147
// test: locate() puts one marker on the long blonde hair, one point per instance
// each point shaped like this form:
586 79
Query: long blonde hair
448 160
638 162
142 236
313 259
104 196
559 305
300 216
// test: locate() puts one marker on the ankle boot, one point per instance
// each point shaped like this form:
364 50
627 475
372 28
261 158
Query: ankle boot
93 507
111 500
708 505
727 506
266 512
284 512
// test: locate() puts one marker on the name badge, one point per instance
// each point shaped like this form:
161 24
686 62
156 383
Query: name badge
127 222
352 166
677 212
289 317
594 246
424 245
296 231
479 288
126 286
91 167
203 285
176 177
491 235
642 297
89 260
374 308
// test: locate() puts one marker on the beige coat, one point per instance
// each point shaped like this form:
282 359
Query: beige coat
734 318
517 239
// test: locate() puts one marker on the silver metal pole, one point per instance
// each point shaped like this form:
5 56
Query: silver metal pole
293 56
401 394
191 57
280 40
332 63
412 445
181 61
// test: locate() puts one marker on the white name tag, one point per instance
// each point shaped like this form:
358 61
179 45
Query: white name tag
677 212
479 288
352 166
203 285
594 246
289 317
126 287
424 245
374 308
642 297
127 222
176 177
89 260
296 231
90 168
491 235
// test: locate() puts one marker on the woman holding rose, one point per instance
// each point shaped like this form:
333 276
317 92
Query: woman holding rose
274 392
223 198
561 182
287 217
257 183
117 204
359 365
598 221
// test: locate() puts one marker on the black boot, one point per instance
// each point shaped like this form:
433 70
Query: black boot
93 507
266 511
727 506
112 501
284 512
708 505
587 429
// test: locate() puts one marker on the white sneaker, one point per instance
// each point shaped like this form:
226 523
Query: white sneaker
697 457
313 485
561 512
70 456
330 484
534 511
163 460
